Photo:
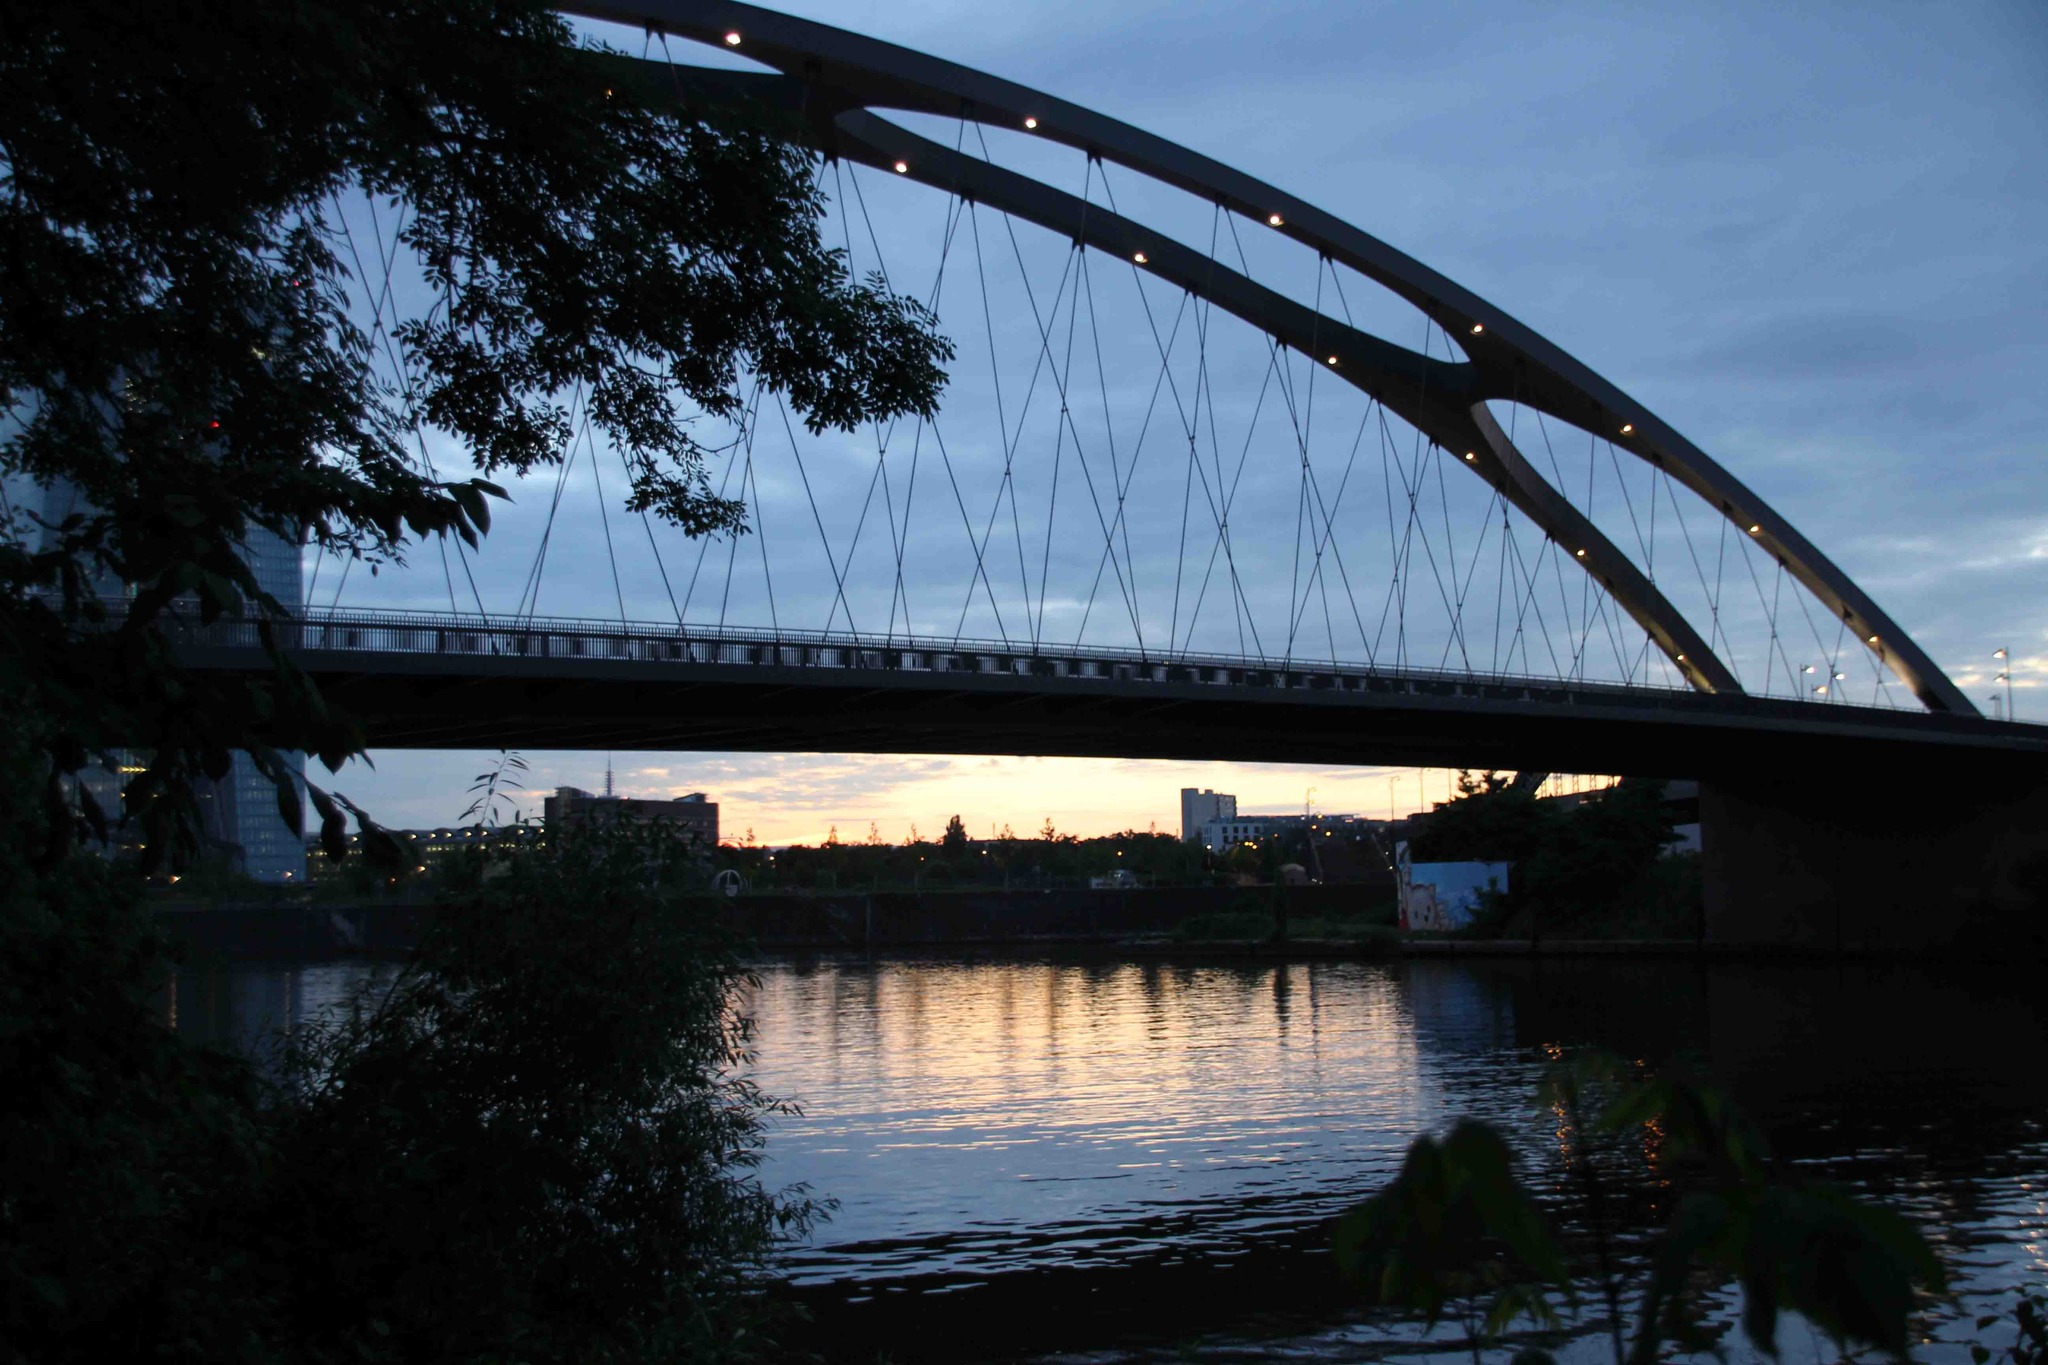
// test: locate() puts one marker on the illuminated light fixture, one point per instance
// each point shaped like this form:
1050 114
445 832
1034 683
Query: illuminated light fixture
1873 640
1755 530
1333 360
1627 428
1581 554
1272 220
1140 258
903 168
1030 123
214 425
1681 658
1841 677
732 39
1806 668
1998 654
1469 457
1821 691
1477 328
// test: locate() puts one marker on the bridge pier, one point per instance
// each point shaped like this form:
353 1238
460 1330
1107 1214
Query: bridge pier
1900 862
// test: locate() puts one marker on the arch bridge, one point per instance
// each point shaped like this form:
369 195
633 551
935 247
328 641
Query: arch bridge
1192 496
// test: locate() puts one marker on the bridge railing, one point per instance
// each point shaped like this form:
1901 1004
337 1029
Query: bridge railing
383 631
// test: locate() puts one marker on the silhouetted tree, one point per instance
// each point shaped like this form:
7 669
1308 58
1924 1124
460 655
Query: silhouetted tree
175 341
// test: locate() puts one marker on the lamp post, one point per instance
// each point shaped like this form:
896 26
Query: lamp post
2004 656
1391 783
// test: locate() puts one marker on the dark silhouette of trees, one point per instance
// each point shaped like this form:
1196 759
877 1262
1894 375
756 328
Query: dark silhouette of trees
175 342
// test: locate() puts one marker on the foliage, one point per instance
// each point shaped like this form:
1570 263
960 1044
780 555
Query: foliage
1576 866
491 789
537 1142
2030 1321
176 342
1457 1227
533 1143
1006 861
116 1138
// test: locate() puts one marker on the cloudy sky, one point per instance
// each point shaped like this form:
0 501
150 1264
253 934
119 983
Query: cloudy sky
1808 237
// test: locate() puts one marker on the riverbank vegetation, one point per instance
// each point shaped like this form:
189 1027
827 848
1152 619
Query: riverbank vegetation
534 1141
1592 867
533 1145
1684 1223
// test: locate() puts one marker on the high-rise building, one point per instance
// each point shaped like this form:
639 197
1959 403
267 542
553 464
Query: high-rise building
239 816
245 820
1198 808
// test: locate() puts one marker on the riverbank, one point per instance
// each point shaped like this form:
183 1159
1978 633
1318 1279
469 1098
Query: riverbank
1131 924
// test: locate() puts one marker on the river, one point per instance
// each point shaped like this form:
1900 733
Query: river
1102 1159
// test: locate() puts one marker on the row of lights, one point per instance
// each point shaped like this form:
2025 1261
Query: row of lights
1275 220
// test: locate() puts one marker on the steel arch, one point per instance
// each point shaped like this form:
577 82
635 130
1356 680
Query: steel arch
833 78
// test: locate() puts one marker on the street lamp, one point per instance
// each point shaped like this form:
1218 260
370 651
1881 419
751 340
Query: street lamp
1391 816
2004 656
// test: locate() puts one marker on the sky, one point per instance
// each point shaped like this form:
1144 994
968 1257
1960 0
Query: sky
1809 237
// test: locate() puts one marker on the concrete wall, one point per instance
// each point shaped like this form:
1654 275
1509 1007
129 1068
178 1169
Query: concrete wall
1897 863
850 922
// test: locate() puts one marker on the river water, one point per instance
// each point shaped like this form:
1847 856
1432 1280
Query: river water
1102 1159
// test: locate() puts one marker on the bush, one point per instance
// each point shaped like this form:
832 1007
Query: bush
533 1144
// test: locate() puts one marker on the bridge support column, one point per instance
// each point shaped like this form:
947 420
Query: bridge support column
1891 863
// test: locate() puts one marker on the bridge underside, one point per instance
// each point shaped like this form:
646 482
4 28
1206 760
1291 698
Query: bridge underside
456 702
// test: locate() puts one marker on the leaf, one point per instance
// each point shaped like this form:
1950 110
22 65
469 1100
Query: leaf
1453 1223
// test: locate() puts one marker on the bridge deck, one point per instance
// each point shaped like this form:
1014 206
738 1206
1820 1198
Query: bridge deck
451 681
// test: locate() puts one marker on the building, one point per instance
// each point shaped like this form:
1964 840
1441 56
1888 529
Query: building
430 849
1229 831
692 814
1199 808
239 817
239 814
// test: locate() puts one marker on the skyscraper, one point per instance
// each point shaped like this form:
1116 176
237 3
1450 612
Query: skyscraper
238 815
240 811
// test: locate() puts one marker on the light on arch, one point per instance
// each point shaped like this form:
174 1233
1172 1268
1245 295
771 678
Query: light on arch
1272 220
1030 123
903 168
1140 257
1470 456
1477 328
732 39
1628 428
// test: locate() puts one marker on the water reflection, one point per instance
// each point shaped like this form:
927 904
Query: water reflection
1054 1155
